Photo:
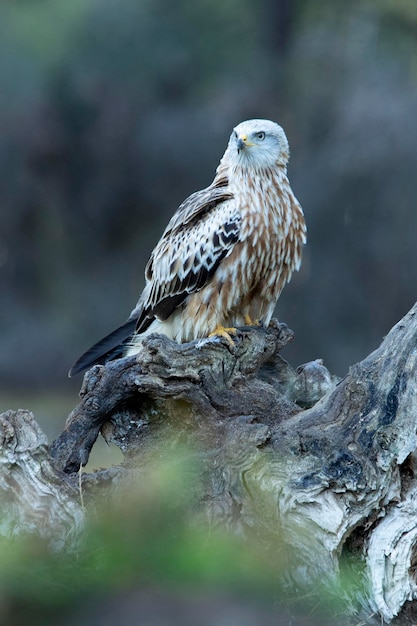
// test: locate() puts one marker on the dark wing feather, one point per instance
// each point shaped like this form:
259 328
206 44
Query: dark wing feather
108 348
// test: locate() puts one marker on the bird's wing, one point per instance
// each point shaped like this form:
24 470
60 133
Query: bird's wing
200 234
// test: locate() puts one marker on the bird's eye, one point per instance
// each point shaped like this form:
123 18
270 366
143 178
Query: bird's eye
260 135
235 134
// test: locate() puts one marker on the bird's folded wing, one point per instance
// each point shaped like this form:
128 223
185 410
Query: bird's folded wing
189 252
200 234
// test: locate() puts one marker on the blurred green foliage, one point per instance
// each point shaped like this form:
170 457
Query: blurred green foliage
145 538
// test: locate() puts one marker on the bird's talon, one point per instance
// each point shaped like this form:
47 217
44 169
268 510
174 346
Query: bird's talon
221 331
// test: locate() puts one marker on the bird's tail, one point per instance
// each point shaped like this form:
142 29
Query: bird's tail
108 348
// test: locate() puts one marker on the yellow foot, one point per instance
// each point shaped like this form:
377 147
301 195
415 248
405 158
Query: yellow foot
249 321
221 331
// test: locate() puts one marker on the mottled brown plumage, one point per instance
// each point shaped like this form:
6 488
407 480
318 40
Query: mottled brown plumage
226 253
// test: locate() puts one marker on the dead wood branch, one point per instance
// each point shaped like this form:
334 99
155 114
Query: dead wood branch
324 465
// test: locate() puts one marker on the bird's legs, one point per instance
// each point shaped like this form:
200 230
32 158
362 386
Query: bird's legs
250 322
221 331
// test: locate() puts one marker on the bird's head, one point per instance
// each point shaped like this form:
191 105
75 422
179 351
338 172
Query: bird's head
258 143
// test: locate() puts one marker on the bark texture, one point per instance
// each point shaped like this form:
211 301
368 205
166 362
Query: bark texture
325 465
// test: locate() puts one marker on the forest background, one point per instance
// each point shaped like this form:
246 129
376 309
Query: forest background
111 113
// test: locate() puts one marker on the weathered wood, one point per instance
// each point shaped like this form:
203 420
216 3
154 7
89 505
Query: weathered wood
35 497
325 466
215 380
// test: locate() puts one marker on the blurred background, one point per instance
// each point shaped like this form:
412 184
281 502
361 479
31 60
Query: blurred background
112 112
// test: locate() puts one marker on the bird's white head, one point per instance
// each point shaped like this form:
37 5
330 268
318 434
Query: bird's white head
259 144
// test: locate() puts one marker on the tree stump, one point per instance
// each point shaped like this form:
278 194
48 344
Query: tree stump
324 465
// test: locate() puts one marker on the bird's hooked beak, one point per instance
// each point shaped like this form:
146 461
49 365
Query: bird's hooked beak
242 142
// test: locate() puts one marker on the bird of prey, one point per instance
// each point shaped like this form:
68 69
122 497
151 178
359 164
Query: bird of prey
226 253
